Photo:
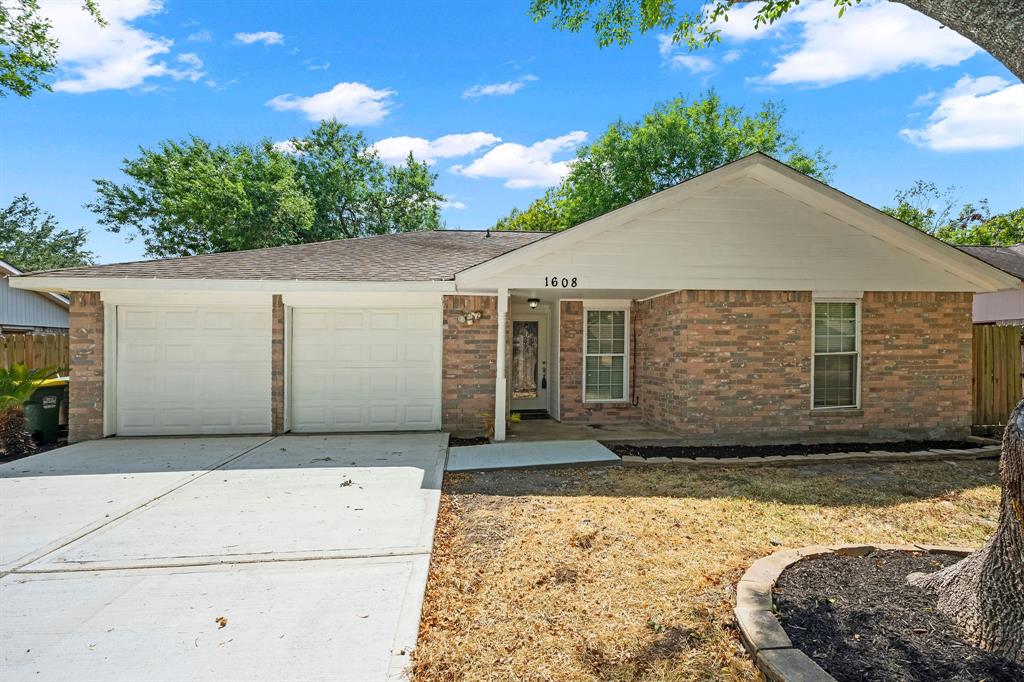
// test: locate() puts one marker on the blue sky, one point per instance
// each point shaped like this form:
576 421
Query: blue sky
496 101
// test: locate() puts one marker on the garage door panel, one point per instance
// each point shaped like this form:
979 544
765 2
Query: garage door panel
193 370
381 367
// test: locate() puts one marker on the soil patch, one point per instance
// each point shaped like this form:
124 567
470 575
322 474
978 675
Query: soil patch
456 442
793 449
859 620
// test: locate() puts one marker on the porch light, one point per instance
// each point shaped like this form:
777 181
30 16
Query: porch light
534 302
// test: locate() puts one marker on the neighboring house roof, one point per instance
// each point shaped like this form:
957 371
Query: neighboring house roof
404 257
1009 259
8 270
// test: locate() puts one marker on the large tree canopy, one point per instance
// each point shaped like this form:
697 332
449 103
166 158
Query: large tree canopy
677 140
28 50
932 209
188 197
997 26
32 240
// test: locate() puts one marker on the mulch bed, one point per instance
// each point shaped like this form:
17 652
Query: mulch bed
859 620
794 449
456 442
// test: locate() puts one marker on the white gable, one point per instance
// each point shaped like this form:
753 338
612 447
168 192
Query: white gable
745 231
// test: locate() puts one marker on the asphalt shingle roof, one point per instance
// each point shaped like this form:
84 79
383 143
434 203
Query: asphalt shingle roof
1009 259
404 257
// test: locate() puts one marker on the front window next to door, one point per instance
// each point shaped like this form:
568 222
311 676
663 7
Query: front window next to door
604 375
836 354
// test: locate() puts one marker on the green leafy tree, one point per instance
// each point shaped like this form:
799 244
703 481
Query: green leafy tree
190 196
995 25
676 141
932 209
28 50
355 194
32 240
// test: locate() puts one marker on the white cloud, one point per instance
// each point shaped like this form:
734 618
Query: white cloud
499 89
695 64
265 37
285 147
692 63
521 166
201 36
396 149
731 56
314 65
740 26
117 56
456 205
353 103
976 113
870 40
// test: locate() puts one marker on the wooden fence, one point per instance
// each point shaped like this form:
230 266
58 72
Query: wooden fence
997 372
34 350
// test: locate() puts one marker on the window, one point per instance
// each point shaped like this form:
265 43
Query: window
836 354
605 355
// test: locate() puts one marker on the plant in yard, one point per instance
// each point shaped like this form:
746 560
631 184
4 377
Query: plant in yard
984 593
17 385
513 418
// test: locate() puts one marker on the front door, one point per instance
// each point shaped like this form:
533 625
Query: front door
529 374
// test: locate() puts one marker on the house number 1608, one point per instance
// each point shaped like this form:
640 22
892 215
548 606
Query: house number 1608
564 282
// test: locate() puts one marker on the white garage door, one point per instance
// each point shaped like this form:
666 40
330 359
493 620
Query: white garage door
366 369
193 370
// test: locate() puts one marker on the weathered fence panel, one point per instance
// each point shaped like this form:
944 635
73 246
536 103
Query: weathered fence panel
997 372
34 350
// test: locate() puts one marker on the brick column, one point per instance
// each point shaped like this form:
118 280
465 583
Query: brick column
85 321
469 353
277 366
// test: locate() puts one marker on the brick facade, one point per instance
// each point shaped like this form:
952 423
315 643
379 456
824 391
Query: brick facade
277 365
85 322
570 363
735 366
469 364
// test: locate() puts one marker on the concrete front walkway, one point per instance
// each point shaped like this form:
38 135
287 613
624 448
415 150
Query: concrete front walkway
120 557
530 455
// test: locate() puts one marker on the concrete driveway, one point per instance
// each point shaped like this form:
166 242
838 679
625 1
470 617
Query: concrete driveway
289 558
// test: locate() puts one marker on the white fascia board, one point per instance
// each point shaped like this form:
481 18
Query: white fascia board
846 209
477 276
57 283
364 299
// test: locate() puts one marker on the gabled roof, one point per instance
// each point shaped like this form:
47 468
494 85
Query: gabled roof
1007 258
836 206
405 257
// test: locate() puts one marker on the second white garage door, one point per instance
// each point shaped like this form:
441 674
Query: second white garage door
366 369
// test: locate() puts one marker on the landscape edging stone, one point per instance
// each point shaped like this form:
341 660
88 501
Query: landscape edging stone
760 630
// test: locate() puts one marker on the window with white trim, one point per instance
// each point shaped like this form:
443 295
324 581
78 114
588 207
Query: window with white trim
604 356
836 354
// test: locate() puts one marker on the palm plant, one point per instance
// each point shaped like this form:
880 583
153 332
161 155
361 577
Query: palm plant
17 385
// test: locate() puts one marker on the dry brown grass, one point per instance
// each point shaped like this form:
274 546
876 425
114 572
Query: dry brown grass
628 574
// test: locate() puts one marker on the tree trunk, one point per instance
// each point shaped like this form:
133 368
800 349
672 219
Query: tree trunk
996 26
984 593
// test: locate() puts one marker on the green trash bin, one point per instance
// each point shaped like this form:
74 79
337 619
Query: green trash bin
43 409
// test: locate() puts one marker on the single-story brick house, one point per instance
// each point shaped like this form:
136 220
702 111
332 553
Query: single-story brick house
749 300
